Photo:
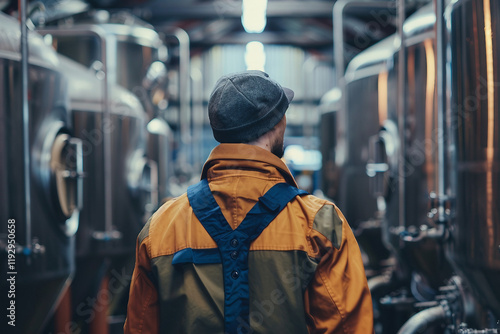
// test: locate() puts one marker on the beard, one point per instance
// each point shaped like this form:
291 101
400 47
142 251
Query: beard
278 148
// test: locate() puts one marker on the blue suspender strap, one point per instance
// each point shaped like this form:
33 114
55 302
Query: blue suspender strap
234 245
207 210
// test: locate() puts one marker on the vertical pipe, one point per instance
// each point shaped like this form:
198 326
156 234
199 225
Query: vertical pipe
441 103
106 128
26 119
308 69
185 96
430 155
338 27
338 59
184 80
490 150
338 37
198 119
401 15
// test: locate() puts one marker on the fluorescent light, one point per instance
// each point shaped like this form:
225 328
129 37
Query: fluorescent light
254 15
255 56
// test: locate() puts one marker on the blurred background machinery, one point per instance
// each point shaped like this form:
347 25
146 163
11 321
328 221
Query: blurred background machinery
395 119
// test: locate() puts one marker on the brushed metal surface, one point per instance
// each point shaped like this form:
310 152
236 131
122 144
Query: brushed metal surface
48 262
474 127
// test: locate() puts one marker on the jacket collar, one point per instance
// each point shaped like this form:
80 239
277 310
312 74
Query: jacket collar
244 155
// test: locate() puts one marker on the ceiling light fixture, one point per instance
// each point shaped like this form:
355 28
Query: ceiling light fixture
253 15
255 56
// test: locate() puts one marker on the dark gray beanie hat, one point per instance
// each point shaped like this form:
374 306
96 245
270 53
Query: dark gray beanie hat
244 106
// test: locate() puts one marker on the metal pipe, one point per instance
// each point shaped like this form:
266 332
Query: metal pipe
378 282
26 119
338 27
338 37
441 105
423 320
308 68
198 117
184 79
401 15
106 128
436 233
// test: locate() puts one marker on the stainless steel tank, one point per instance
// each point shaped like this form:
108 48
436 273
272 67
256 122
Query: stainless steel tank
473 145
111 124
411 232
115 93
363 113
112 213
43 263
115 127
127 52
360 103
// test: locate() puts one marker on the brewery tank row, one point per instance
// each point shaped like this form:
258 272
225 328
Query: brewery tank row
94 169
419 178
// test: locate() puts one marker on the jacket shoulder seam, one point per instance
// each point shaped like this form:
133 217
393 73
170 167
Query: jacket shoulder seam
329 224
310 223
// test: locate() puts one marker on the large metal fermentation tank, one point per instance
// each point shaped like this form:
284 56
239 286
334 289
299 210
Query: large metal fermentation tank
125 55
112 126
123 124
357 122
114 91
44 259
127 52
140 55
474 129
361 101
411 232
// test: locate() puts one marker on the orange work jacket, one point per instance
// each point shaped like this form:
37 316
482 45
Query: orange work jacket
305 271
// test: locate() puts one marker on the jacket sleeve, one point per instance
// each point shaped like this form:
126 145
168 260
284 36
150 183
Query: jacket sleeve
142 309
337 299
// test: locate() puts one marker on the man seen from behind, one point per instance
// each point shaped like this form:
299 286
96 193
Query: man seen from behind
244 250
